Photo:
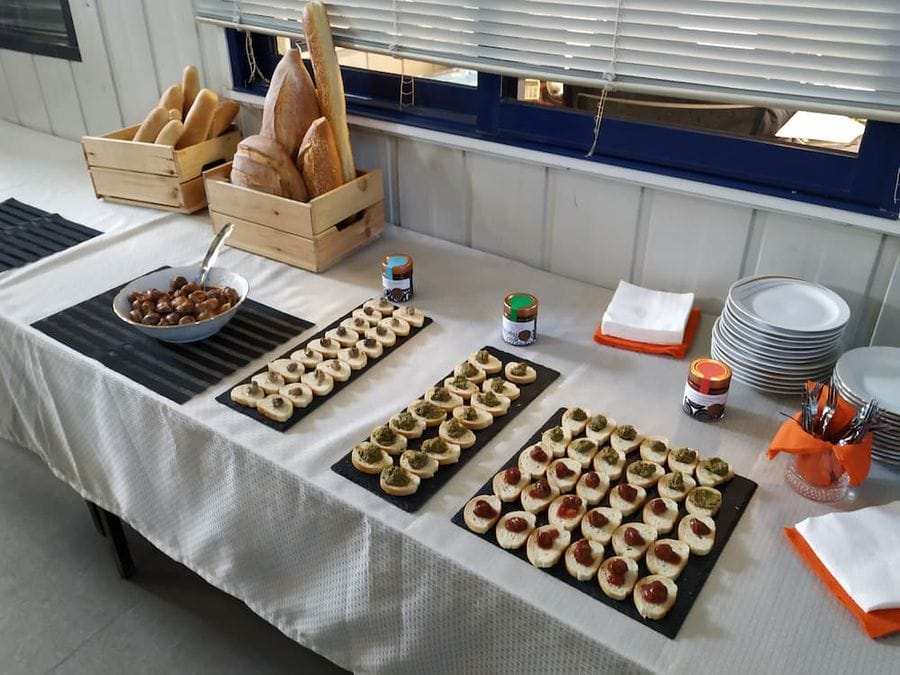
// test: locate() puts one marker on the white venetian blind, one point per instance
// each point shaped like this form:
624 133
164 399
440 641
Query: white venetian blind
821 55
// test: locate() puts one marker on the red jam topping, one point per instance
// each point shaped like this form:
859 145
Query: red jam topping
516 524
562 471
597 519
616 571
538 454
582 553
666 553
541 489
546 538
655 592
699 528
592 480
570 506
512 476
658 506
627 492
484 510
632 537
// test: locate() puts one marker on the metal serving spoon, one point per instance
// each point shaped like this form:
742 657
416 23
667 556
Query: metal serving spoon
212 253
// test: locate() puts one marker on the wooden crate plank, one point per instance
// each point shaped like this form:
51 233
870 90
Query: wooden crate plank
334 245
191 160
142 187
266 241
347 200
126 155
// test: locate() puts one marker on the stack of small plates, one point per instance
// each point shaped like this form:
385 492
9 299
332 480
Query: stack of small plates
874 372
778 332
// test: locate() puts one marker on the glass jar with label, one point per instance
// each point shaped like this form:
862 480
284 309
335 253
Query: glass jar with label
706 390
397 277
520 318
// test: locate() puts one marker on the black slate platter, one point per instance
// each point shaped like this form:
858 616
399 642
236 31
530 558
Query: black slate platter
28 234
299 413
736 495
177 371
429 487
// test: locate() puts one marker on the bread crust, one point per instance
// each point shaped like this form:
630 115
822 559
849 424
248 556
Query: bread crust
291 103
152 125
268 152
198 119
318 159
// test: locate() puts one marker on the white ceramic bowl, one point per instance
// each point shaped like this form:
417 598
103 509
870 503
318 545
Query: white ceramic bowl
191 332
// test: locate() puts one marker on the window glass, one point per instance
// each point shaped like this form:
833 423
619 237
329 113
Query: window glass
38 27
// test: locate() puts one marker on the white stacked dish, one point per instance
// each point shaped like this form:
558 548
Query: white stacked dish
874 372
777 332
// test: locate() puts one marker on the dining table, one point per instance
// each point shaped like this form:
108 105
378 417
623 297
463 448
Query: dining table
260 514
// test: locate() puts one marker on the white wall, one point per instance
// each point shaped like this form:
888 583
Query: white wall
589 227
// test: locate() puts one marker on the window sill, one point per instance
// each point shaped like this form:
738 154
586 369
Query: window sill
632 176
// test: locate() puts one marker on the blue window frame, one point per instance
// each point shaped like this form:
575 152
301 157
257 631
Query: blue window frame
865 183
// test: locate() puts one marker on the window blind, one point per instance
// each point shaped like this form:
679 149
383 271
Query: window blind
819 55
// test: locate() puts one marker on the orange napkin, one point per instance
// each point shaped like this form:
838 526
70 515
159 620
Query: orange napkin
821 459
876 623
678 351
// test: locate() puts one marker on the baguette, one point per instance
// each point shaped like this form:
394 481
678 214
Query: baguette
190 87
223 117
329 81
198 119
175 114
291 104
267 151
173 97
170 133
151 126
318 159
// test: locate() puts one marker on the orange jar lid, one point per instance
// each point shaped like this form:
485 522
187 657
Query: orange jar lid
709 375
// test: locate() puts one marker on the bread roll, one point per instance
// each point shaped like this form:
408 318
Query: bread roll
223 117
291 103
261 179
267 151
170 133
199 119
318 159
175 114
190 87
151 126
329 81
173 98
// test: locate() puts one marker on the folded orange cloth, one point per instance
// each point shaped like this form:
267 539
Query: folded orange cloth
854 459
877 623
678 351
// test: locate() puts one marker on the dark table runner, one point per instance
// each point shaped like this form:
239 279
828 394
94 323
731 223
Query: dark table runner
28 234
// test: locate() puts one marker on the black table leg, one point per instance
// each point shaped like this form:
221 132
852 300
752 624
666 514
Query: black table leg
109 525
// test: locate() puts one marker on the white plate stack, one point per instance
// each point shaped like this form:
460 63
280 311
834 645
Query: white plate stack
778 332
874 372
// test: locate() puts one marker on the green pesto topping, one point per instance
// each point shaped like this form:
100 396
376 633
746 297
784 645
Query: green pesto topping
369 454
627 432
705 498
482 356
717 466
428 410
498 384
468 370
582 446
685 455
395 476
489 399
417 460
657 447
460 382
609 455
440 394
598 423
455 429
557 435
579 415
385 436
676 482
519 370
643 469
435 446
470 414
406 421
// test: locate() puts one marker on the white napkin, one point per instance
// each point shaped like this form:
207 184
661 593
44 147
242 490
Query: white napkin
644 315
861 549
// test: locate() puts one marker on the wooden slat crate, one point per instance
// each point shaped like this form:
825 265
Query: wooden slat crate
156 176
313 235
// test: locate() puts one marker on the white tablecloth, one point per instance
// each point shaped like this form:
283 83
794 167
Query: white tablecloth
260 514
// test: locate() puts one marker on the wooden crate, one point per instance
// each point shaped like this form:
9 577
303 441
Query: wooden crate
313 235
156 176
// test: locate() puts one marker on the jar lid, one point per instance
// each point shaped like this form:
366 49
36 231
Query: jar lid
710 374
396 265
520 306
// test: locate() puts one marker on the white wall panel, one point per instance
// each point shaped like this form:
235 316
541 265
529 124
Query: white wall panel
878 290
28 101
58 89
593 225
507 207
7 107
130 57
374 150
214 52
173 39
692 245
887 327
93 76
433 190
837 256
